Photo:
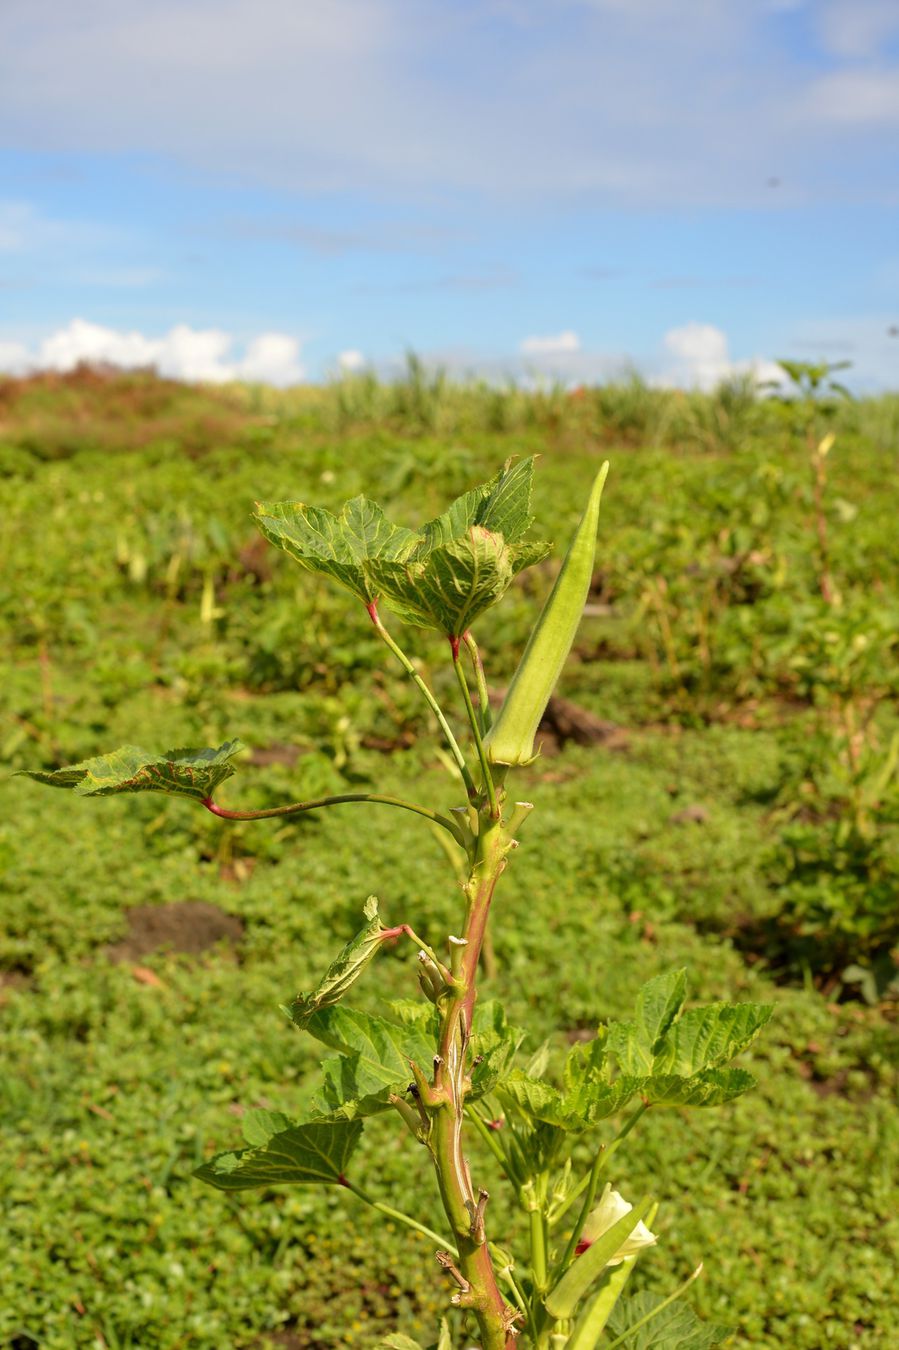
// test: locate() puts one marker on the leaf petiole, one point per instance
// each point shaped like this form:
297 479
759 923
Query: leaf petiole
485 715
400 1217
316 803
486 772
429 698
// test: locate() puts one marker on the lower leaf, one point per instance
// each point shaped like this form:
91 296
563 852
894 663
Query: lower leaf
315 1154
636 1324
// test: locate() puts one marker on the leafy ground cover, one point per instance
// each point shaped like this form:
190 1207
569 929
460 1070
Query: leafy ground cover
745 826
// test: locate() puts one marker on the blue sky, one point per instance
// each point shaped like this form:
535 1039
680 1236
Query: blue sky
565 187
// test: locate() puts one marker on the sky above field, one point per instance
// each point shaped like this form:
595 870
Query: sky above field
564 188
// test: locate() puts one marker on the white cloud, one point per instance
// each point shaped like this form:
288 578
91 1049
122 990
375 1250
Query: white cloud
351 361
14 358
855 98
698 357
857 29
510 98
183 353
554 344
273 358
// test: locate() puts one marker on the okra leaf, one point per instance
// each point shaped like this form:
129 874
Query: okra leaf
534 1098
400 1342
258 1125
659 1002
663 1041
350 1092
449 587
194 773
502 505
412 1012
336 546
675 1327
494 1044
314 1154
527 553
585 1063
374 1059
576 1110
705 1038
710 1087
343 971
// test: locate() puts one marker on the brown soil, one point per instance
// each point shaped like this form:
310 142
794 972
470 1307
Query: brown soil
189 926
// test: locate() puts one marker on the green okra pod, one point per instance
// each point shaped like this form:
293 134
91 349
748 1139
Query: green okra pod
511 738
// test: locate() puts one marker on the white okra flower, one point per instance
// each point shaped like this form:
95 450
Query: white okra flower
612 1207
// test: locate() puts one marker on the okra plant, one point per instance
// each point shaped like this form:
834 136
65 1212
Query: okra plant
448 1067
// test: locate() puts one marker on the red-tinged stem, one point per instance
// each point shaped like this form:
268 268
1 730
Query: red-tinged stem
404 930
317 803
464 1205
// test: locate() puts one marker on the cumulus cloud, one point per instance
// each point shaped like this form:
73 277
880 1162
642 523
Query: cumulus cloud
698 357
351 361
14 358
183 352
272 358
553 344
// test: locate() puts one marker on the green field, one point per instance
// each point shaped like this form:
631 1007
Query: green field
739 658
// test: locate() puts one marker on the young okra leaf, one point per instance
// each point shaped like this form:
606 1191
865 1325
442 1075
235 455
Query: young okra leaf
181 773
336 546
575 1110
494 1044
711 1087
682 1057
661 1040
315 1154
501 505
705 1038
449 586
344 970
673 1327
659 1002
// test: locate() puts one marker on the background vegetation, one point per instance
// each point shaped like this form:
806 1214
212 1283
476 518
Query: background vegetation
735 725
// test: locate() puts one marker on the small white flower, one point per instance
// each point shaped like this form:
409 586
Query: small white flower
612 1207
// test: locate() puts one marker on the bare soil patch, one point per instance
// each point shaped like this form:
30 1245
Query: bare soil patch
188 926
